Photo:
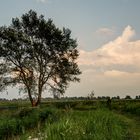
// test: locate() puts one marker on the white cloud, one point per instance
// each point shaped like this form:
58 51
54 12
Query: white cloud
105 31
121 51
113 69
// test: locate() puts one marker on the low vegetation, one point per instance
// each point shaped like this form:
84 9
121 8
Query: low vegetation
62 120
90 125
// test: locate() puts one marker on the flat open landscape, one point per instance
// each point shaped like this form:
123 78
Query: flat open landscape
69 120
70 70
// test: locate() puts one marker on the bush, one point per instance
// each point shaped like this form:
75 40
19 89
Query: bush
23 120
10 127
25 112
44 114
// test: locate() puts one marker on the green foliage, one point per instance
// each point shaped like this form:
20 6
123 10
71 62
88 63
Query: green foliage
20 121
39 55
65 104
79 105
133 108
81 120
127 106
10 127
25 112
89 125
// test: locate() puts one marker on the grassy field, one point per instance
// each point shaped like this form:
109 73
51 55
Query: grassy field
69 120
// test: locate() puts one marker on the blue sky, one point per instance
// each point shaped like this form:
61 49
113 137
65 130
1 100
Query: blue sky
95 23
83 17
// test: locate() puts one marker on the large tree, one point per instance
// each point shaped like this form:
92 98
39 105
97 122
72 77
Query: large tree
37 55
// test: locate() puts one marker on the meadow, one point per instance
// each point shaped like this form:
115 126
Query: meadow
69 120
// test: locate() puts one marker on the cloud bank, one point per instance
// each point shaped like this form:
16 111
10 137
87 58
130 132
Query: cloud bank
113 69
120 52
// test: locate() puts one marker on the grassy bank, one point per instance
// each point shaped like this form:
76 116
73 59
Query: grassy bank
81 120
101 124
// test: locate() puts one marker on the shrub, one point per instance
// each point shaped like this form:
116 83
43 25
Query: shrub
23 120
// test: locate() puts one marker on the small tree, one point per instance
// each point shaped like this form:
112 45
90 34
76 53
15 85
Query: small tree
118 97
37 55
137 97
91 95
128 97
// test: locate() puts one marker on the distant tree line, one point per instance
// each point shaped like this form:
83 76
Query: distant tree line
127 97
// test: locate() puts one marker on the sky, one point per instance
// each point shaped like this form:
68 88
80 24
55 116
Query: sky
108 36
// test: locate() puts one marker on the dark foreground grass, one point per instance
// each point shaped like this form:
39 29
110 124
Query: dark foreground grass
84 120
21 121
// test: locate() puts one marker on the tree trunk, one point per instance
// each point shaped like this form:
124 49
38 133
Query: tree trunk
39 96
34 103
30 97
38 101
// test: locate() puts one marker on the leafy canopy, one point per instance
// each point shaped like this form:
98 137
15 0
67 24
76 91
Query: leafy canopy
35 54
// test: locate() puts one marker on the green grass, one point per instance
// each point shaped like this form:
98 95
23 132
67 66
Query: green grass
22 121
90 125
127 106
81 120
